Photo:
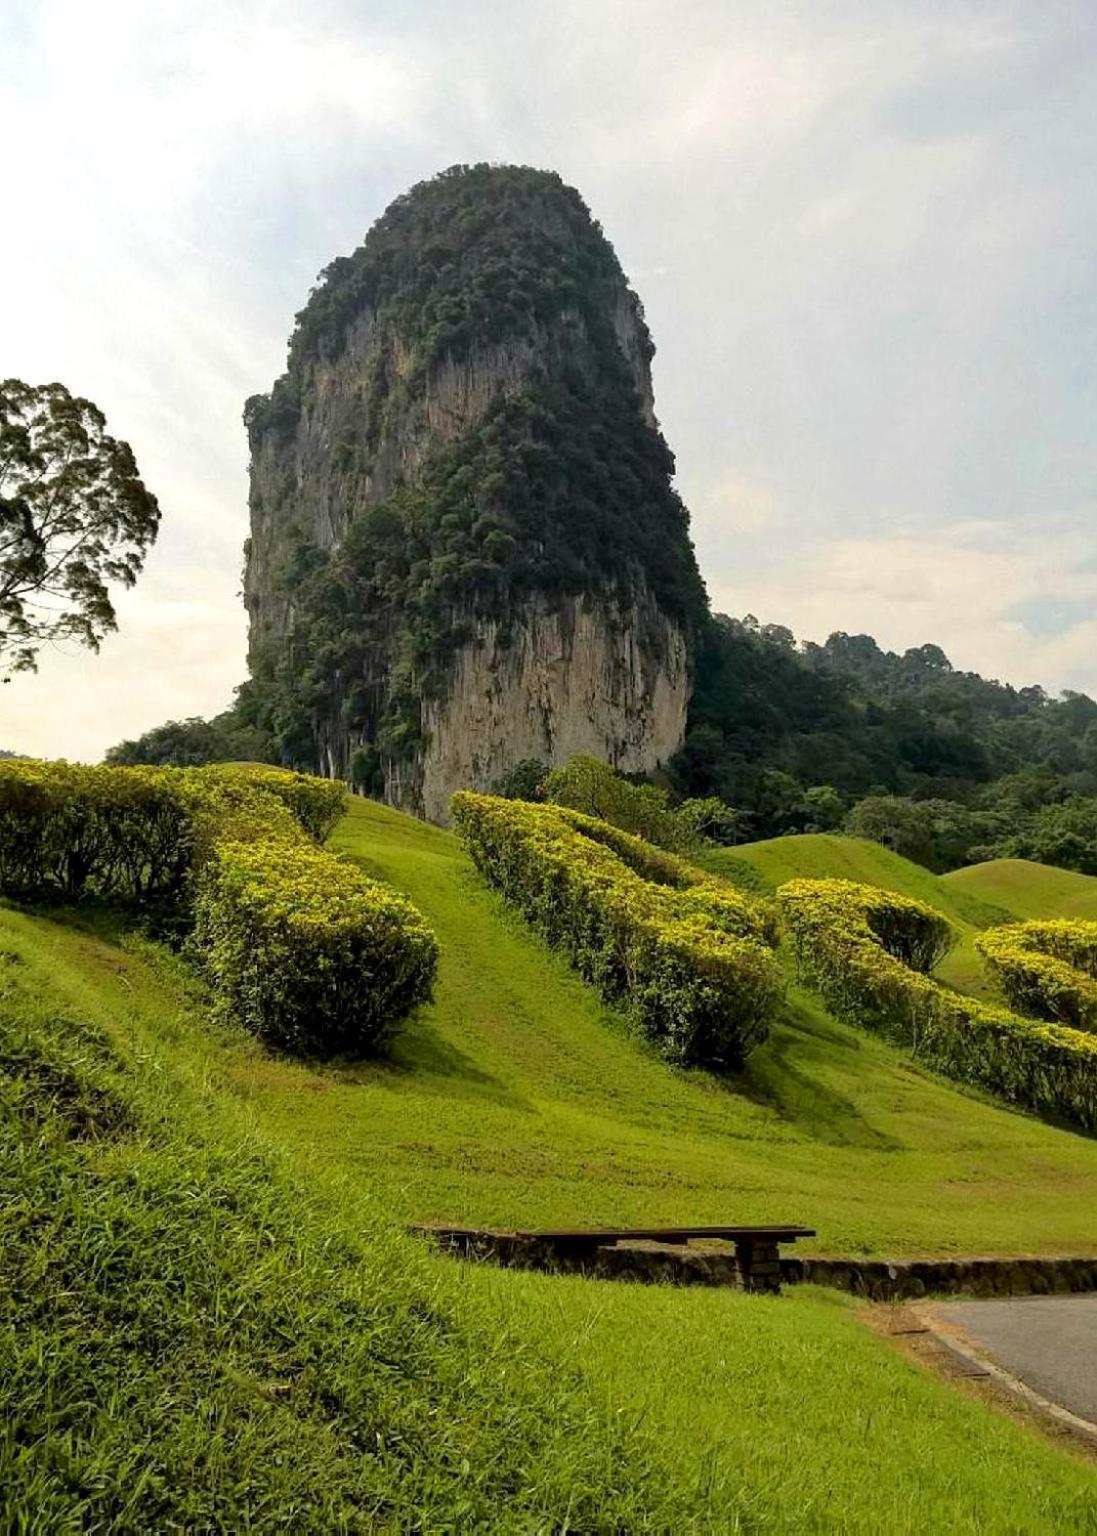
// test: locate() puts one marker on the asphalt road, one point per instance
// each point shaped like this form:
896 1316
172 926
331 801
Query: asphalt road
1049 1342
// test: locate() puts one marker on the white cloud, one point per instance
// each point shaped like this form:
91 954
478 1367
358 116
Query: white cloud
736 503
961 591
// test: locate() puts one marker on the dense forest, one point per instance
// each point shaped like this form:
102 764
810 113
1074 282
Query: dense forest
945 766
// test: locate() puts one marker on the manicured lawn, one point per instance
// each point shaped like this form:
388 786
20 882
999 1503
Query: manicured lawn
209 1317
1028 890
829 856
517 1098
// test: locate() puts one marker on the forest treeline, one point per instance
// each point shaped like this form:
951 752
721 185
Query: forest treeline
945 766
942 765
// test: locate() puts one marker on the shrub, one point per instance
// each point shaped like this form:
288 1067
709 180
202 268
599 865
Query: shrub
857 945
586 784
305 951
316 804
1048 969
300 947
68 831
688 954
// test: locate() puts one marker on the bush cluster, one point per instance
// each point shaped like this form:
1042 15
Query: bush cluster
316 804
589 785
306 952
867 952
300 947
689 955
69 831
1048 968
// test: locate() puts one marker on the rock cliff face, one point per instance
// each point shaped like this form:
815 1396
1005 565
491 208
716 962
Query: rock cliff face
464 549
575 678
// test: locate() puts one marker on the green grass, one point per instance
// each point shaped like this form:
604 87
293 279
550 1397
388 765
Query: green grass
209 1319
829 856
975 898
518 1098
1025 889
189 1342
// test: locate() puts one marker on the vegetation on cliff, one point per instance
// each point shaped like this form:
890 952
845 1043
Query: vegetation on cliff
560 487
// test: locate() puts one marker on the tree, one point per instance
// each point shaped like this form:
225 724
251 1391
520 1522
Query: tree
1064 834
74 516
712 820
823 808
524 780
586 784
189 743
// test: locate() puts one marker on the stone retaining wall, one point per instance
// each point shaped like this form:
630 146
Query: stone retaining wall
881 1280
875 1279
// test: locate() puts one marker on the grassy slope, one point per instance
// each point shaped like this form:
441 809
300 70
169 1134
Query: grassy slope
1026 889
187 1338
189 1342
518 1098
828 856
821 856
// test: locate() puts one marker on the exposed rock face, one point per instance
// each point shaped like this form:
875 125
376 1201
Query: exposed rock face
439 579
577 679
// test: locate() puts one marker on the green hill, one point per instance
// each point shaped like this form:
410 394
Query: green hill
830 856
287 1322
1026 889
517 1097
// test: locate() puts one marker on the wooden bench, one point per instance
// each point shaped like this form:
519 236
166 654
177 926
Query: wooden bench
757 1265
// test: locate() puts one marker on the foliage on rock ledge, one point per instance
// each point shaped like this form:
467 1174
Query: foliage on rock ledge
561 487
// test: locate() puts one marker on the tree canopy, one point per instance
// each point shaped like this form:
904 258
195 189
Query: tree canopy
74 517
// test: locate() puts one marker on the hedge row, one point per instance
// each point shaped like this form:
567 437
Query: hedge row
316 804
128 834
71 831
306 952
853 942
300 947
689 955
1046 968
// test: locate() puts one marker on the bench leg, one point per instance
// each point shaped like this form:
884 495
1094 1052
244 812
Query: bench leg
759 1266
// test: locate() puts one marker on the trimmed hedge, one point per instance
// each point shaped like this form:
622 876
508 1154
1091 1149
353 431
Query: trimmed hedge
690 956
316 804
306 952
300 947
838 928
1046 968
69 831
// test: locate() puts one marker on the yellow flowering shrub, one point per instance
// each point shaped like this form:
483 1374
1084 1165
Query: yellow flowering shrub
304 950
859 946
1046 968
316 804
68 830
299 946
686 952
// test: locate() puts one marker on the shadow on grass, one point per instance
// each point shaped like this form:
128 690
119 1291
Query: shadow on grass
421 1060
781 1076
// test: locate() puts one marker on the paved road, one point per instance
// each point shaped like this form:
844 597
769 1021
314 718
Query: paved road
1050 1342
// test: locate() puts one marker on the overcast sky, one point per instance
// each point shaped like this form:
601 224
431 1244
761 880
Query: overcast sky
863 232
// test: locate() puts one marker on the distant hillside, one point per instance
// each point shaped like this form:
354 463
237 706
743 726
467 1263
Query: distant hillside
1029 890
773 726
829 856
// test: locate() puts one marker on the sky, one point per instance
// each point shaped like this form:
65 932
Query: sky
863 232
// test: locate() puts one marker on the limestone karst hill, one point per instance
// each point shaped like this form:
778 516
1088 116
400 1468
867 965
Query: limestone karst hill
465 548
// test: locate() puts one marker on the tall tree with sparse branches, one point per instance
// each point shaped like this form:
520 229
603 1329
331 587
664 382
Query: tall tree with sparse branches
74 517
